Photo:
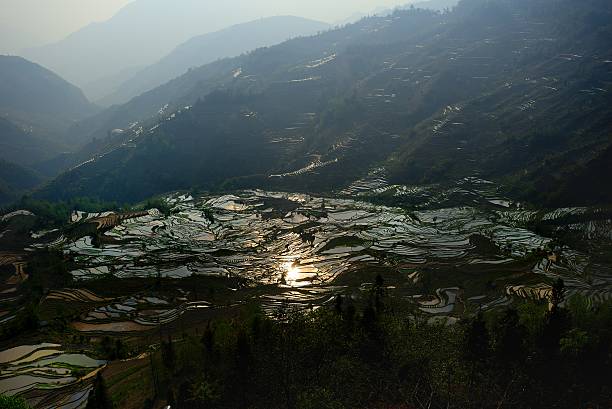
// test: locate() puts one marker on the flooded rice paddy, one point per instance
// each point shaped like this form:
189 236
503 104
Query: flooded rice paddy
479 252
446 251
44 367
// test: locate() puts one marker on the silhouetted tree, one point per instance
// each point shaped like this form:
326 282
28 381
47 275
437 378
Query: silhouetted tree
510 338
171 399
556 320
558 293
98 398
168 354
477 343
338 304
208 338
379 292
243 351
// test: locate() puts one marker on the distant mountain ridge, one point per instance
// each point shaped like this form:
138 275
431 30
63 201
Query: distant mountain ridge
207 48
36 108
102 55
436 5
29 87
428 96
107 48
18 145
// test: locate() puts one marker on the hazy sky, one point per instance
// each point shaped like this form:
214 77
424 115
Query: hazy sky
27 23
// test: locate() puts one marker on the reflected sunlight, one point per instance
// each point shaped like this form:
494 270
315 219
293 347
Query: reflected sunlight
291 272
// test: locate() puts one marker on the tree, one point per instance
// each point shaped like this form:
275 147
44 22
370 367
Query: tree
98 397
510 338
338 304
379 292
558 294
556 320
243 351
171 399
208 339
477 346
168 354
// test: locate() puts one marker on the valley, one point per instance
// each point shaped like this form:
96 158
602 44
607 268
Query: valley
406 211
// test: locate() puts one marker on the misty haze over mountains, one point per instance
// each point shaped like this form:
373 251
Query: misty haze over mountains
106 53
135 37
207 48
37 107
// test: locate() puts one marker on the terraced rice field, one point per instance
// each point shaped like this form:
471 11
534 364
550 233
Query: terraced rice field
12 275
45 366
456 250
309 247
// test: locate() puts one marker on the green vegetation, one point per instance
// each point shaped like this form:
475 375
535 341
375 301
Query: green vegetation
11 402
26 320
14 179
57 214
112 350
387 355
159 204
47 270
345 241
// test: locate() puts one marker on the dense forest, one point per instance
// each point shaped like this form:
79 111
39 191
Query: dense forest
386 355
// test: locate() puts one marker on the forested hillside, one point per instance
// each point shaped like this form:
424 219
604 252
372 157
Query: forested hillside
516 91
39 104
206 48
15 180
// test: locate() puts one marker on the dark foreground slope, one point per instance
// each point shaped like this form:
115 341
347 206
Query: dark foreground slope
517 91
351 357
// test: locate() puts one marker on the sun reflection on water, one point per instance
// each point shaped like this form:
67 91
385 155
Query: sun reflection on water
291 272
296 275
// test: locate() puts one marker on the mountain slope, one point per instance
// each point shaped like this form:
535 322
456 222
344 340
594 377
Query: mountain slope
436 5
148 108
535 125
430 96
39 100
207 48
17 145
29 88
15 180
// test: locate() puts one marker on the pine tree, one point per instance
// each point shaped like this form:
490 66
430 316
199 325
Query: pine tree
510 338
168 354
556 320
98 397
558 293
477 346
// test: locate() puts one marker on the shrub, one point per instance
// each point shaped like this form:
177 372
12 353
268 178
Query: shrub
13 402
